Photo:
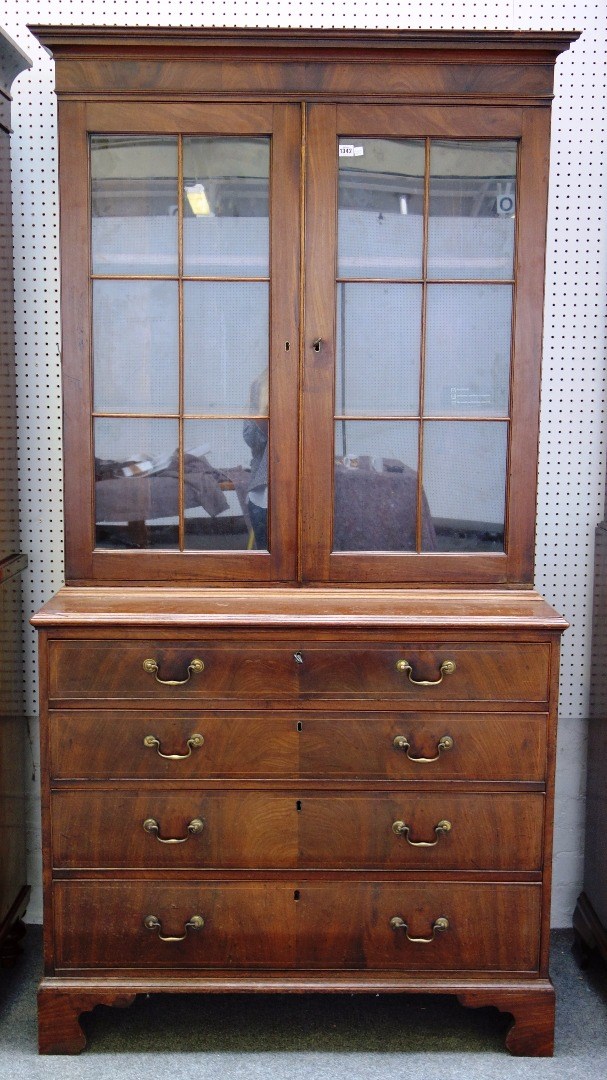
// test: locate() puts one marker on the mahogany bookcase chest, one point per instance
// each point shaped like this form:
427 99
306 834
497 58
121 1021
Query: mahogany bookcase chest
299 692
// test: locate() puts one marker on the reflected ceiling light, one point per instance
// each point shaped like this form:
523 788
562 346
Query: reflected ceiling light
197 198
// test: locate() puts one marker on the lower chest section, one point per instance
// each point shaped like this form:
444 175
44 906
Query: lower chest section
291 802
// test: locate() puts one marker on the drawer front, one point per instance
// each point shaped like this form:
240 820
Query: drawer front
115 669
424 746
277 830
189 745
283 925
350 925
112 670
383 746
102 924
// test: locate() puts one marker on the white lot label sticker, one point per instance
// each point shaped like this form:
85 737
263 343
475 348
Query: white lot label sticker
349 150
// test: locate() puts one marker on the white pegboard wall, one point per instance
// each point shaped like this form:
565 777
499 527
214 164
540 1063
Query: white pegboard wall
573 431
572 450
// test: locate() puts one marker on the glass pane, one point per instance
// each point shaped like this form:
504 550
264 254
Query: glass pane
136 483
134 204
226 341
381 202
225 206
135 346
375 497
468 330
472 209
226 484
378 349
465 481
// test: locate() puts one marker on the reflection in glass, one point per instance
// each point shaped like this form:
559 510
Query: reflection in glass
135 346
465 481
375 496
381 199
136 483
226 483
225 338
472 209
134 204
226 206
378 349
468 330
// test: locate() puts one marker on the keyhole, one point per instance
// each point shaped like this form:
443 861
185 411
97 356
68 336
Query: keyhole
296 894
299 725
317 344
298 804
298 658
287 346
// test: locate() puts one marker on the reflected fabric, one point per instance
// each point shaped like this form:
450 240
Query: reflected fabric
378 511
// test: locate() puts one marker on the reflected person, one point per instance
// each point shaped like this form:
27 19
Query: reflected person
255 433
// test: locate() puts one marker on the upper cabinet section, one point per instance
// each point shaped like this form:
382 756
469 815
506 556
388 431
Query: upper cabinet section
302 303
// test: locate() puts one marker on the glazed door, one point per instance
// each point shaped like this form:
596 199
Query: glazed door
180 302
422 343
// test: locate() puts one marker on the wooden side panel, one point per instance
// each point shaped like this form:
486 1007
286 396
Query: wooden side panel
527 339
595 867
76 315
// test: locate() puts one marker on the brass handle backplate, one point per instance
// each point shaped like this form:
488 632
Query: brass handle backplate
152 827
401 829
151 666
401 742
152 922
193 742
447 668
438 927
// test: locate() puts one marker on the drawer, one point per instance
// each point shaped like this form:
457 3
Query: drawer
385 746
246 924
110 744
424 746
304 924
114 670
282 830
350 925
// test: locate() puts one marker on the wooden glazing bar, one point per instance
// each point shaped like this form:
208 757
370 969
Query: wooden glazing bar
136 416
343 417
181 500
422 359
513 306
176 416
420 281
301 337
461 418
173 277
